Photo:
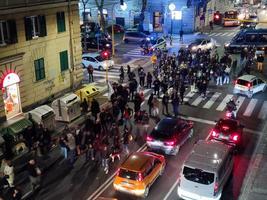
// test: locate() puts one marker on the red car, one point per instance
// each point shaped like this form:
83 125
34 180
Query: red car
228 131
117 28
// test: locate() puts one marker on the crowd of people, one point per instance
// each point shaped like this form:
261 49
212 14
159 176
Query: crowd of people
108 131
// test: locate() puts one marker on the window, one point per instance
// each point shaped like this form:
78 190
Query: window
263 38
251 38
8 32
39 69
260 81
64 63
61 27
35 26
254 82
198 175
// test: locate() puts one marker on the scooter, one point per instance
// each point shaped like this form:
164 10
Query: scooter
230 111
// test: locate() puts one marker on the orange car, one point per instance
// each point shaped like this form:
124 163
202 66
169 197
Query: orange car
138 172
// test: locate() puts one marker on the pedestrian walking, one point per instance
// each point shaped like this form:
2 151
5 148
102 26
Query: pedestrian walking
181 35
105 158
72 149
182 91
126 140
156 87
149 79
142 76
34 174
127 115
9 173
150 104
95 108
165 103
90 71
63 146
227 75
175 103
155 109
260 61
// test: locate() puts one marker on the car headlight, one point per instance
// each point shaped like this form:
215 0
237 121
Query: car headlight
194 47
107 45
148 39
227 44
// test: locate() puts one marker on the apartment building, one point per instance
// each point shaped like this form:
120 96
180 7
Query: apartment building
40 52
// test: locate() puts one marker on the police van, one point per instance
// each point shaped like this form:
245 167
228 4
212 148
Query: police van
246 38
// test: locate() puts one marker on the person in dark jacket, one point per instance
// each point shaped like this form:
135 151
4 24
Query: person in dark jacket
175 104
182 91
165 103
156 87
95 108
149 79
150 104
260 61
137 102
34 174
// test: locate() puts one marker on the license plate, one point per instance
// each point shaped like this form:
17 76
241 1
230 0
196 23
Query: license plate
224 137
157 143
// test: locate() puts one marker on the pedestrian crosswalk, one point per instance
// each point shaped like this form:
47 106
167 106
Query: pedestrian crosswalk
136 52
217 101
225 34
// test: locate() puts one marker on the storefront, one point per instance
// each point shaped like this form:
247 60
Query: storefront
9 83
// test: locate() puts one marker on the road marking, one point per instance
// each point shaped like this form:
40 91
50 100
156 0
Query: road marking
250 107
212 100
100 190
189 95
224 34
263 111
222 105
172 188
198 100
212 34
239 101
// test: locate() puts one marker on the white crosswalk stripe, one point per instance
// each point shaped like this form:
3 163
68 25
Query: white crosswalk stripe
212 100
136 53
222 105
250 107
239 101
263 111
214 103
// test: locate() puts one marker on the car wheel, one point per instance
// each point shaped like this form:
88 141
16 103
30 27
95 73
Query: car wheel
126 41
146 192
101 68
162 170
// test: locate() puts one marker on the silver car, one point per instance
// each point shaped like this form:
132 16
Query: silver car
135 37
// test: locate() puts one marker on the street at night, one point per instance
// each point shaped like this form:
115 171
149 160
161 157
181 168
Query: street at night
133 99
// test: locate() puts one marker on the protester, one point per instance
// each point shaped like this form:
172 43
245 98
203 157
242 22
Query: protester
34 174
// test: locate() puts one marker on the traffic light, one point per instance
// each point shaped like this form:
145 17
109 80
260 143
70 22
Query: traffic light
105 54
121 2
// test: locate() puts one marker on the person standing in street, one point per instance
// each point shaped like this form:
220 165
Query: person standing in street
181 35
165 103
95 108
260 60
90 70
150 104
175 104
149 79
142 76
34 174
72 149
9 173
182 91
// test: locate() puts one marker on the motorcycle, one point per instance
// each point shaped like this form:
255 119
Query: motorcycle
231 110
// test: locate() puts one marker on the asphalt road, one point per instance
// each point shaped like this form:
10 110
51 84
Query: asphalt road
87 181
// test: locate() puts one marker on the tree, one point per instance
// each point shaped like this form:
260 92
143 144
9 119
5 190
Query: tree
142 16
100 9
84 2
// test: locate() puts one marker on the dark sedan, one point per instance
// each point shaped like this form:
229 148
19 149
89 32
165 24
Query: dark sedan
228 131
117 28
93 43
169 135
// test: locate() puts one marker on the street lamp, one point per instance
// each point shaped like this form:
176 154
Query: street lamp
171 8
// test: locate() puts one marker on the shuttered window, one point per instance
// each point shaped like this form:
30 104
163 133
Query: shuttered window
39 69
64 62
8 32
61 27
35 26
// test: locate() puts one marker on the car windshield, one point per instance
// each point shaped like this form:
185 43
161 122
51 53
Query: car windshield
198 176
99 58
198 41
227 124
123 173
242 82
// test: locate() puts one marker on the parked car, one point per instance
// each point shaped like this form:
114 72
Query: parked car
117 28
202 44
206 171
133 28
135 37
249 85
97 61
169 135
94 43
138 172
228 131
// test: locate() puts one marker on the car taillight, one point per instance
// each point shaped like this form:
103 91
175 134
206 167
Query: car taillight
118 172
228 114
216 188
214 133
140 177
248 85
149 138
170 143
235 137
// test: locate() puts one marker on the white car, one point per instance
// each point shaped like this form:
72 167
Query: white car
158 43
96 61
202 44
249 85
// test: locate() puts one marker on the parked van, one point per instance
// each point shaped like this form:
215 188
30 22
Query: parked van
206 171
248 38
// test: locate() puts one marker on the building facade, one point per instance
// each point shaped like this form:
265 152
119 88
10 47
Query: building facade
158 17
40 52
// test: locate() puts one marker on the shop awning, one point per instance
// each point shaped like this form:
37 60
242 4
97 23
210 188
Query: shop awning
18 126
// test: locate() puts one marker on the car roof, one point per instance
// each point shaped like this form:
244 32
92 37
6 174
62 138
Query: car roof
208 155
247 77
137 161
231 123
91 54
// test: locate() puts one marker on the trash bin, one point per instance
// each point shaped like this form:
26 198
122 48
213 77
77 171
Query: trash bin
87 92
44 115
67 108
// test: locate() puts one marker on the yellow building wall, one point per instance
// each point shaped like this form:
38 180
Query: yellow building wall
32 91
